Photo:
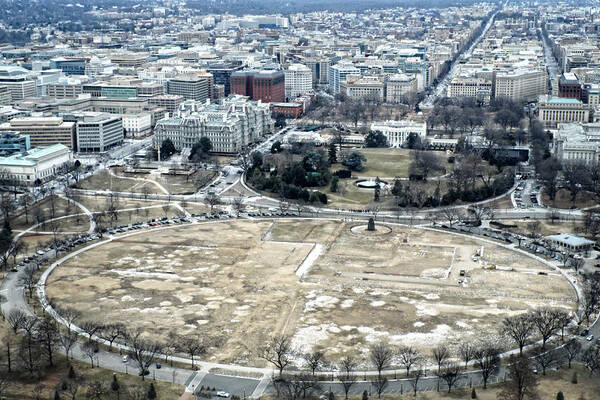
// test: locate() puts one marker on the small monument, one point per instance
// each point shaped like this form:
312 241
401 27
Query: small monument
371 225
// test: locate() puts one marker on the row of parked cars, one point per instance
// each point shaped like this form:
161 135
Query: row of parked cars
63 246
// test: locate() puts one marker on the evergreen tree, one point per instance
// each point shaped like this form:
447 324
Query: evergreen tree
71 372
114 385
473 394
560 396
332 154
151 392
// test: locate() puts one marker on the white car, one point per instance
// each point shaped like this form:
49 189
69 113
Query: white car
223 394
125 358
590 338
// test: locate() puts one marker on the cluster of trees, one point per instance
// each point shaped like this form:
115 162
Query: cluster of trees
291 172
34 352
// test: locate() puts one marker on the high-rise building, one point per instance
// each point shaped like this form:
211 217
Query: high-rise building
298 81
319 68
222 75
266 85
338 74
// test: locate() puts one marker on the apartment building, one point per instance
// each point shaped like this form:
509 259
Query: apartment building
265 85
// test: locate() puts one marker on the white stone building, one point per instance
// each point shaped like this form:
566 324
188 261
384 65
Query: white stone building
396 132
39 163
577 143
137 125
231 125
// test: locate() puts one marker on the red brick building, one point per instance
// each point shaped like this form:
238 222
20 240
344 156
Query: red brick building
267 86
290 110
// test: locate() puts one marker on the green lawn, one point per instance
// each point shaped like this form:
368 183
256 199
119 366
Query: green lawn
390 163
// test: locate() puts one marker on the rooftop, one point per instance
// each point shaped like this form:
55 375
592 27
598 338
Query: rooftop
570 240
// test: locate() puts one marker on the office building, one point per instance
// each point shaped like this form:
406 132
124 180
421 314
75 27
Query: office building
13 142
319 68
191 86
338 74
298 81
266 85
471 87
569 86
137 125
222 75
18 82
231 125
69 66
43 131
169 102
357 87
96 131
556 110
521 84
577 143
37 165
399 86
5 96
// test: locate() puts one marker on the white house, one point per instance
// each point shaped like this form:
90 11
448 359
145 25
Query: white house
396 132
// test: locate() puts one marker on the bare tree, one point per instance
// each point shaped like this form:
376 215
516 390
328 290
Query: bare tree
96 390
89 349
67 341
315 360
346 366
381 355
112 332
417 373
452 215
238 205
278 351
572 349
591 358
380 383
47 335
518 328
69 315
16 318
143 352
440 354
28 280
521 382
487 359
212 200
547 322
90 328
467 352
407 357
545 360
191 346
451 374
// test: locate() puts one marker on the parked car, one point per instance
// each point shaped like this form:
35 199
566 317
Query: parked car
223 394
